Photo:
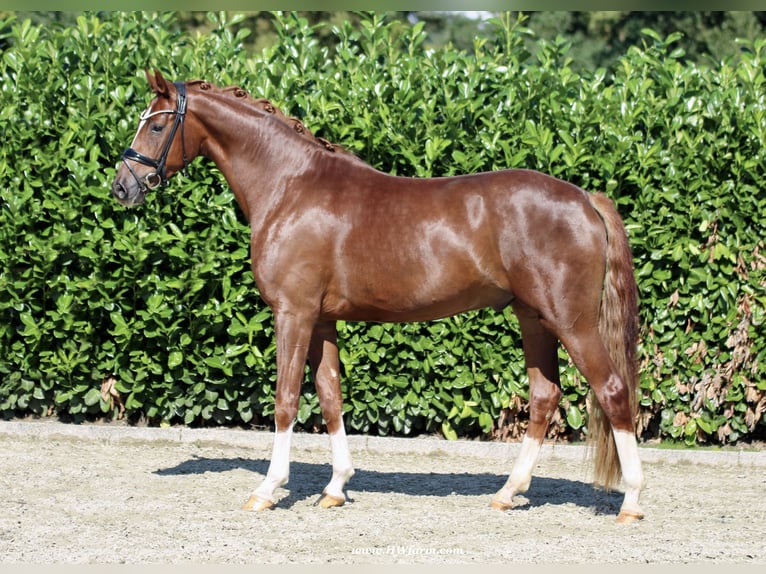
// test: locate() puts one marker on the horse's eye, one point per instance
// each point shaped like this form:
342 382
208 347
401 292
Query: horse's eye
157 128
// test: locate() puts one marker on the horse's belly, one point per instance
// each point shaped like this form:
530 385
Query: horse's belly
414 306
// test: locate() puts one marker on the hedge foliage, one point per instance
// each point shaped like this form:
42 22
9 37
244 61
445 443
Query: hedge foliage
158 303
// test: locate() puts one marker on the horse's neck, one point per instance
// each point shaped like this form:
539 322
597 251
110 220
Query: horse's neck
256 153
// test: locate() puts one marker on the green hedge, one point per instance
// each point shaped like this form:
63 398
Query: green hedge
161 298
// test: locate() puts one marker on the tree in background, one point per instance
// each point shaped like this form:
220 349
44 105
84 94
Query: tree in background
597 38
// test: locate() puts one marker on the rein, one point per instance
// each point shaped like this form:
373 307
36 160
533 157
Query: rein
159 177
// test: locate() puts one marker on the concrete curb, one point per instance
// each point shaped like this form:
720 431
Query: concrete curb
261 441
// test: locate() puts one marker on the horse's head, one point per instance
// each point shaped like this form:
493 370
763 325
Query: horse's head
159 147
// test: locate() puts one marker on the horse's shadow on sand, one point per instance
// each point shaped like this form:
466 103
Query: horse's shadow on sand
308 479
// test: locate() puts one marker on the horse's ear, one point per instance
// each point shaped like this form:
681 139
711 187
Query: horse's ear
158 84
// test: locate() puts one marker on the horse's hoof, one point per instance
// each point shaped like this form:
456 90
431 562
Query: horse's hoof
330 501
498 504
629 517
257 504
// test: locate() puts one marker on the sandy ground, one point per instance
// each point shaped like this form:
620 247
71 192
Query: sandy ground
119 495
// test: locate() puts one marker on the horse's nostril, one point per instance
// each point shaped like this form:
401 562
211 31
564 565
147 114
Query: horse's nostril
119 191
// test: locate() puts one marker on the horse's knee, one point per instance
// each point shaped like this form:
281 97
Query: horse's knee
544 397
285 415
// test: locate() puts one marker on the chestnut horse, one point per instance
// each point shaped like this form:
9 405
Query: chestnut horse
334 239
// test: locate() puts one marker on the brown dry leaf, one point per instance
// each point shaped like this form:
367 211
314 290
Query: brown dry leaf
680 419
723 433
111 394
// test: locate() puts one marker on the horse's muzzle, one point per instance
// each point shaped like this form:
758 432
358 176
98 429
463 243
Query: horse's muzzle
128 194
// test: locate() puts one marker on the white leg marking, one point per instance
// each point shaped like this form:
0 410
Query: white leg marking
521 474
279 467
632 475
342 468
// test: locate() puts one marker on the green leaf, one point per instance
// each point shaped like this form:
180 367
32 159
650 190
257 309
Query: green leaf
448 432
175 359
574 417
92 397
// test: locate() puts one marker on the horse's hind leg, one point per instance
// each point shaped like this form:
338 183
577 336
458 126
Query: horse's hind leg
541 354
589 354
325 364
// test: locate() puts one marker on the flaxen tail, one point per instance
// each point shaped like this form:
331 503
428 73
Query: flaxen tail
618 326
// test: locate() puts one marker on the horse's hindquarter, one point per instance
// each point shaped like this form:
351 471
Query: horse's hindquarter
382 248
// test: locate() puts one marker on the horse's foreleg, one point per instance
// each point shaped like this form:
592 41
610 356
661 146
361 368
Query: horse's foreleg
540 351
323 356
293 335
277 475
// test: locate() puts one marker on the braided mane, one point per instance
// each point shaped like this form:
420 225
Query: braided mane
265 105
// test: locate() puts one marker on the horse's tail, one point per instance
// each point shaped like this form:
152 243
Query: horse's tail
618 326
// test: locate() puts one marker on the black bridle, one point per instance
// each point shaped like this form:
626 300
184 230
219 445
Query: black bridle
159 176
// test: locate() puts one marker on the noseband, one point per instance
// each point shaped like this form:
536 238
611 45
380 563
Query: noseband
159 176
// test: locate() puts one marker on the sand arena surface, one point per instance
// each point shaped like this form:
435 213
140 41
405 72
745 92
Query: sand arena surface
112 494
